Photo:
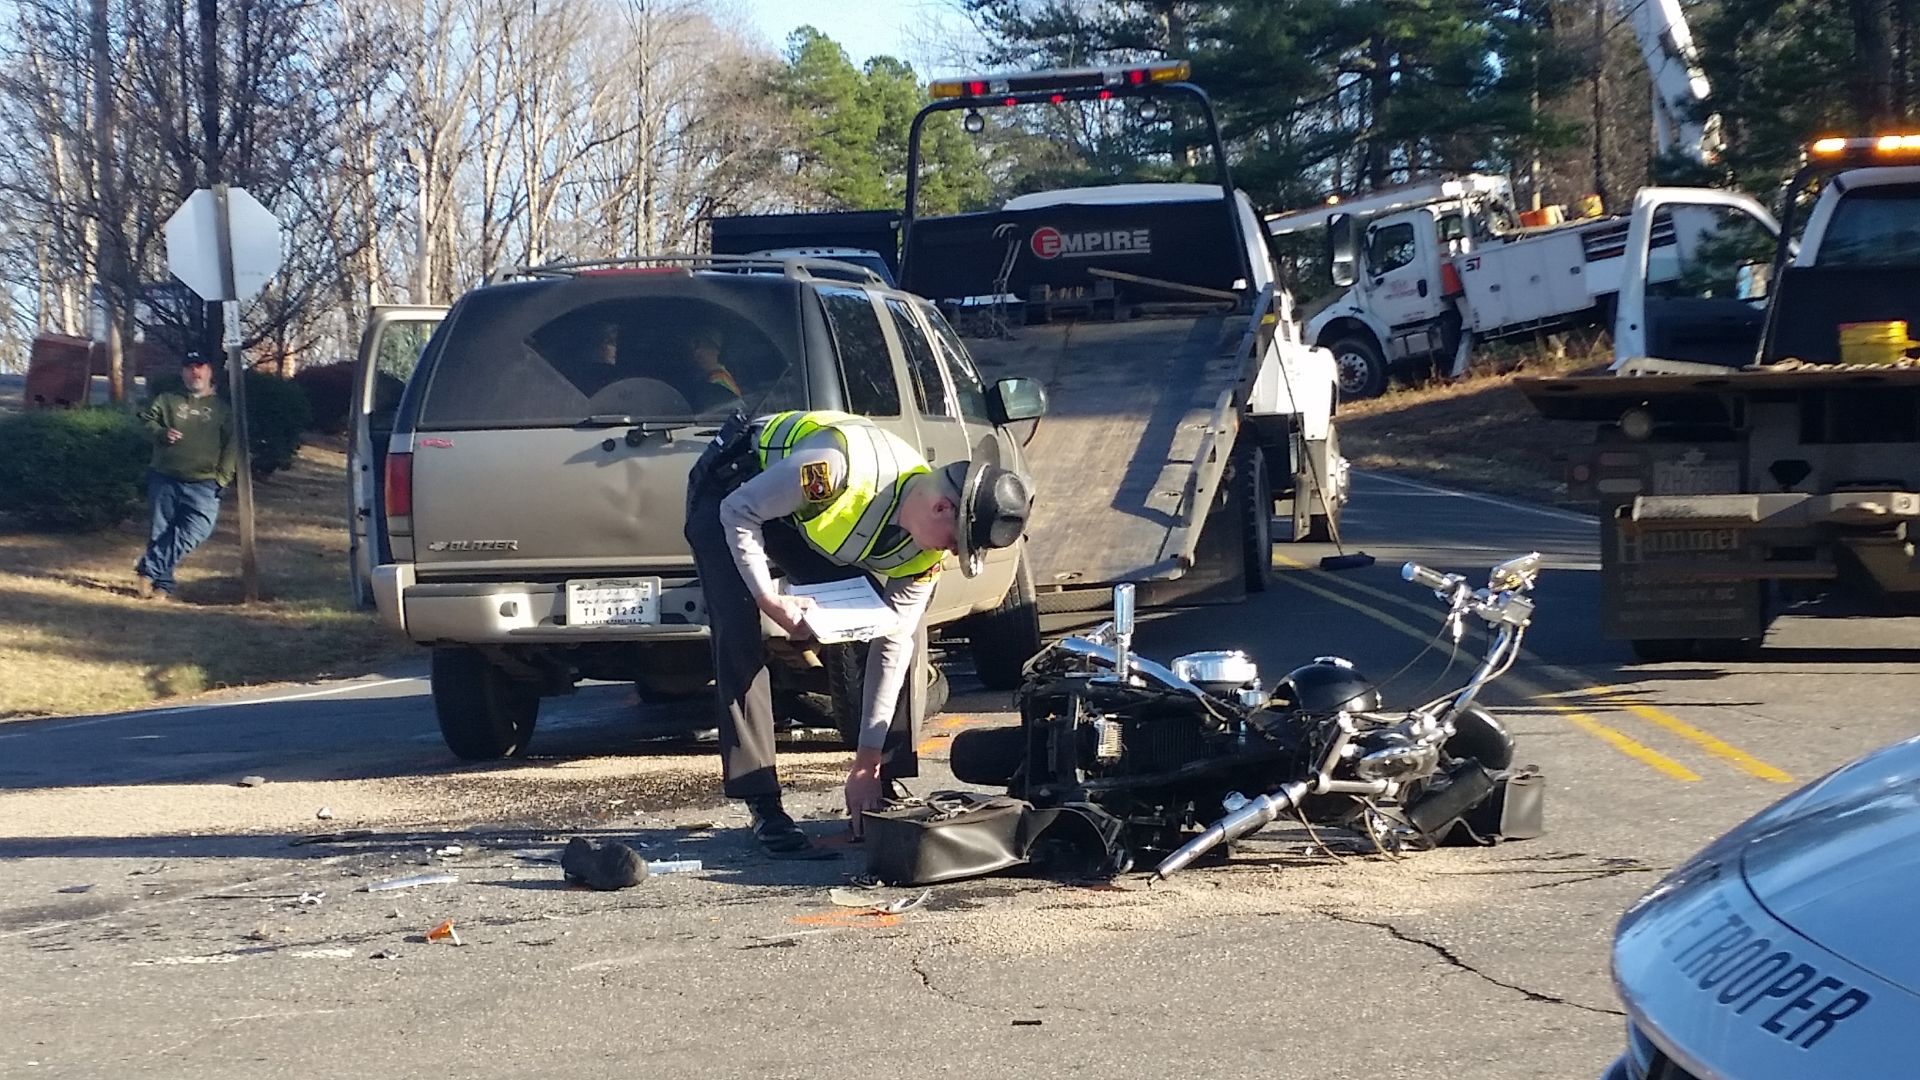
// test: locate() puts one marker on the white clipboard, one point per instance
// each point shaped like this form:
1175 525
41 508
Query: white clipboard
848 610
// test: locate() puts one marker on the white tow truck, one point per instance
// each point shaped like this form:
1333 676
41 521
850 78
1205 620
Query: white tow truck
1185 408
1435 266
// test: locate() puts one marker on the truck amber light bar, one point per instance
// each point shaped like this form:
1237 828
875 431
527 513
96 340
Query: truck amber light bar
1062 81
1866 149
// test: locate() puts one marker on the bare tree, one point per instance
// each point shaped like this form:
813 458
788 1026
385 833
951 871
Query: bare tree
406 146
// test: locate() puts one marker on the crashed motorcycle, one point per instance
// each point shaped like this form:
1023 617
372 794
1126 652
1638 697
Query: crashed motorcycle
1169 763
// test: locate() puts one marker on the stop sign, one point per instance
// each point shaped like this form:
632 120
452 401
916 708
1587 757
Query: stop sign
193 244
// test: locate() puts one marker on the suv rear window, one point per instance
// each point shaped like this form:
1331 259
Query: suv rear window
552 354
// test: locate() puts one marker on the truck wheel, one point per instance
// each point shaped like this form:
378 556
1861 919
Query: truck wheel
1004 639
483 712
846 688
1256 528
1359 366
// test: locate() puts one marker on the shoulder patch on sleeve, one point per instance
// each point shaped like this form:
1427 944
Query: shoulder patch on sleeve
816 481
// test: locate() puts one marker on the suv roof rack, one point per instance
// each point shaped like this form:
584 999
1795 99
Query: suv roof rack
796 267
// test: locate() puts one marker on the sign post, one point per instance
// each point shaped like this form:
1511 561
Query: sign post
224 245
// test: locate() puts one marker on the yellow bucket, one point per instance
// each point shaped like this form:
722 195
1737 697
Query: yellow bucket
1874 342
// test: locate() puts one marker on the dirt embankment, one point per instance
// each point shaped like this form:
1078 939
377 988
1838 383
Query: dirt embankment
1478 433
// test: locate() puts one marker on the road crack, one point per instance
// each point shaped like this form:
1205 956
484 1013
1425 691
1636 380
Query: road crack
919 968
1455 961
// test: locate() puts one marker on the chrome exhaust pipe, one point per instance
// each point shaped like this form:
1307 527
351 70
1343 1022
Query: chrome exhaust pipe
1254 814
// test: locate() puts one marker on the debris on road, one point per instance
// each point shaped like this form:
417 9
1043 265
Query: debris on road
311 899
847 898
324 954
144 870
445 932
385 954
536 855
409 882
610 866
71 889
1028 1023
673 866
325 813
175 961
451 851
252 781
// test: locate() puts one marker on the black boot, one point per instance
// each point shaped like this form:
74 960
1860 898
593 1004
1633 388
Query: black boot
778 834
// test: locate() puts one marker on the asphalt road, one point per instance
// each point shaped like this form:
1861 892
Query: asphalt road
152 921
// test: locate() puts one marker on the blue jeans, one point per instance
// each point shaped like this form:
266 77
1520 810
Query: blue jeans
184 513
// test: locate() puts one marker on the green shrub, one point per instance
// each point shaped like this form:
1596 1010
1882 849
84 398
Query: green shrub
73 469
277 414
329 389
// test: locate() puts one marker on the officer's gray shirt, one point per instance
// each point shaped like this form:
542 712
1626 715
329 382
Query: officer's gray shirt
777 493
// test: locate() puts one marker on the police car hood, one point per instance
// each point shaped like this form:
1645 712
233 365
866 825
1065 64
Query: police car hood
1792 942
1845 871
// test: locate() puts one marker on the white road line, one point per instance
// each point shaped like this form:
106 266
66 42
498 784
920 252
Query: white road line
1491 500
212 705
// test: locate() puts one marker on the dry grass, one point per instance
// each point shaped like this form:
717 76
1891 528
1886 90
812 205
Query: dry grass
1478 432
74 638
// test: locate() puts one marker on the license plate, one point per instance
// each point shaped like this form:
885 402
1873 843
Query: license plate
1695 478
613 602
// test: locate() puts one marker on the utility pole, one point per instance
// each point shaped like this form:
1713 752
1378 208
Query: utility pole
229 308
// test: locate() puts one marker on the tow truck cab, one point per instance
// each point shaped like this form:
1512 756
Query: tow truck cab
1856 260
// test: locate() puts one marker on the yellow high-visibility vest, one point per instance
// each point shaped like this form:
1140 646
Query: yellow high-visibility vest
848 527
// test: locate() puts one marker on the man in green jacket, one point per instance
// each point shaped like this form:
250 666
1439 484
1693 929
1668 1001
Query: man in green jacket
193 462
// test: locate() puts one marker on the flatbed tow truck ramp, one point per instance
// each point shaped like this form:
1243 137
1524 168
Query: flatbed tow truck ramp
1140 421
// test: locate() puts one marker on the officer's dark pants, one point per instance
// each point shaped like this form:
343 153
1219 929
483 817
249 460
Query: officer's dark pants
739 651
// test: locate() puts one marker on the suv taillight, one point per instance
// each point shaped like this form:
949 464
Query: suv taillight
399 494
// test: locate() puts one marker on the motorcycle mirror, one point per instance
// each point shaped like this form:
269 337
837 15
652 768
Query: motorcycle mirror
1515 573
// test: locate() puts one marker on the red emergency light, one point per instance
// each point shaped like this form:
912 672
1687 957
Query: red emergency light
1058 83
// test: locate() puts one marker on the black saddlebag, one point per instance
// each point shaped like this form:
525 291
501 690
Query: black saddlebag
1470 805
962 834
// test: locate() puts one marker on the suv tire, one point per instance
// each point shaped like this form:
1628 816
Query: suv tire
846 687
1004 639
484 713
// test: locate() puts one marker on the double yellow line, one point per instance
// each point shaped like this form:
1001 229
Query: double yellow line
1612 736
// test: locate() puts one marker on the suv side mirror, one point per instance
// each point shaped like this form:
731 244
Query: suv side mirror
1011 400
1343 249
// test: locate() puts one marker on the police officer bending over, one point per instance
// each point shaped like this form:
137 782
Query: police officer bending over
825 496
